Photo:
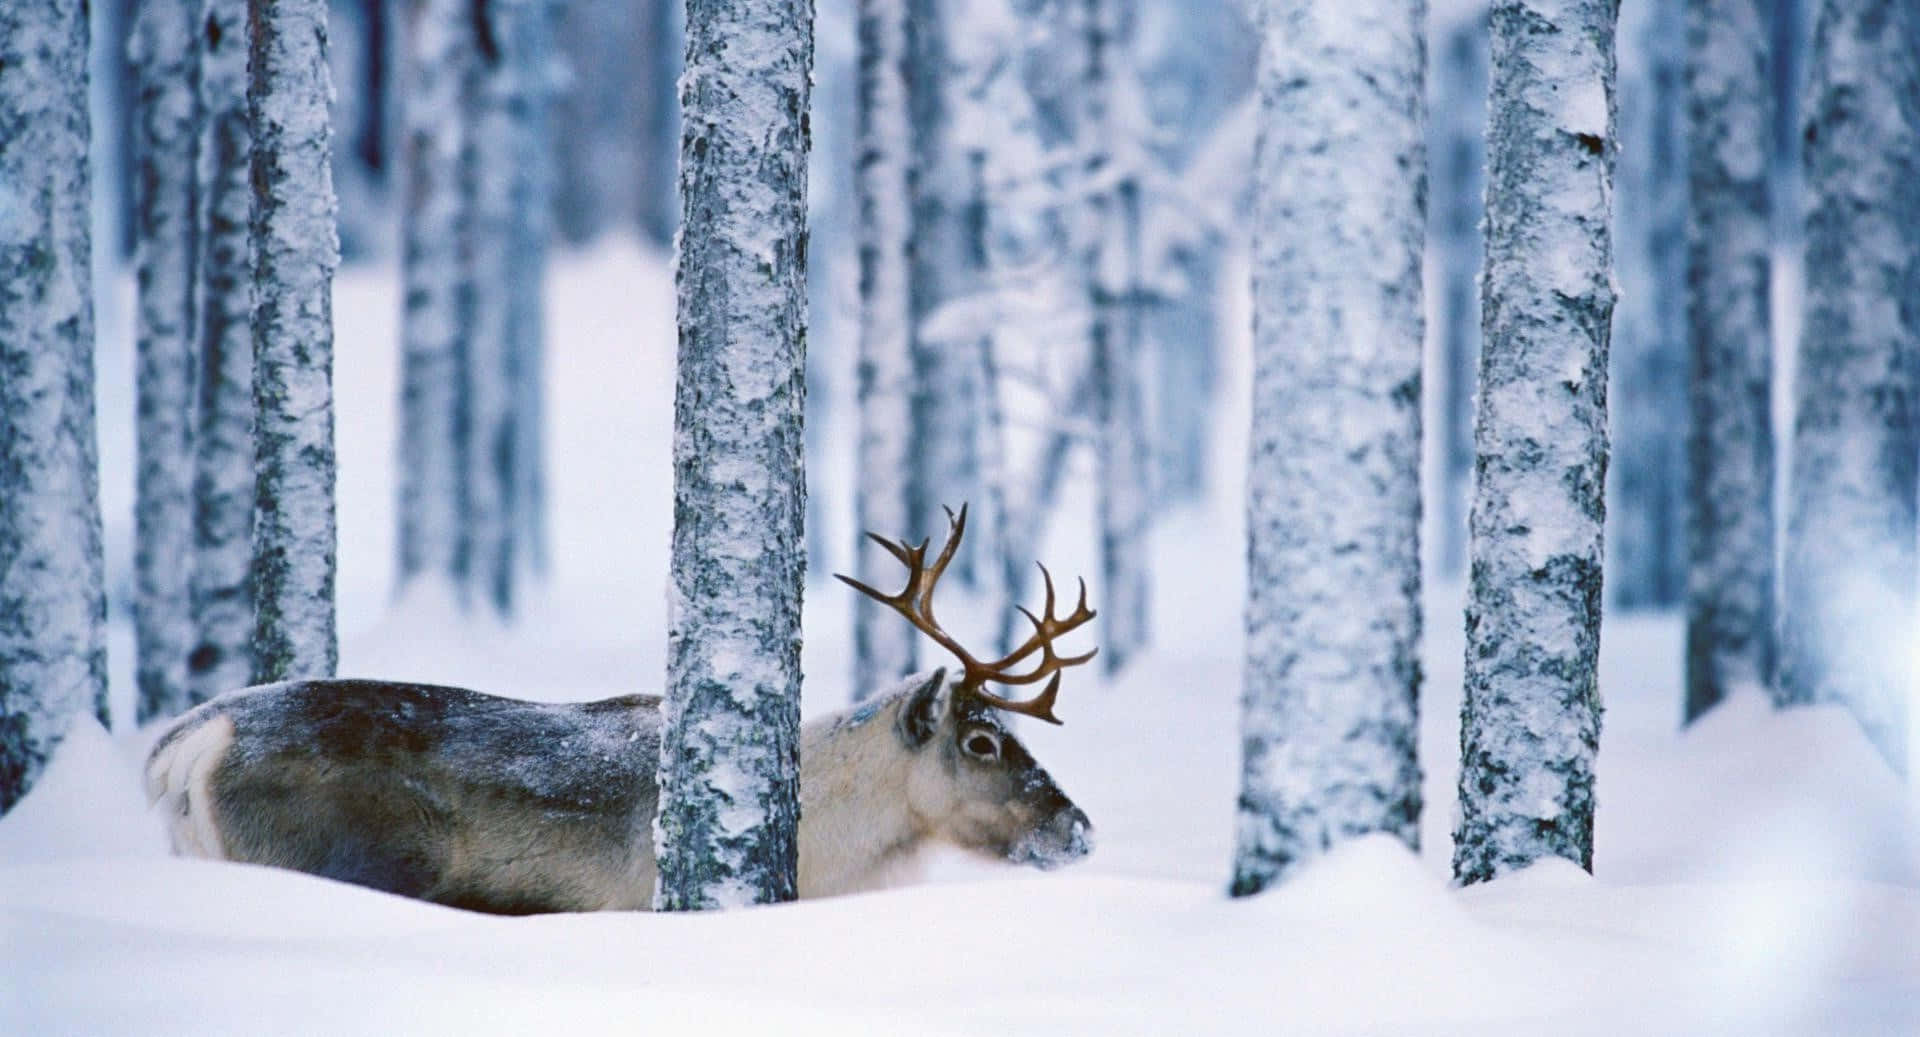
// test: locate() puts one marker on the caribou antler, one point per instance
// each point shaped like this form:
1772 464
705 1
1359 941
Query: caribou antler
915 602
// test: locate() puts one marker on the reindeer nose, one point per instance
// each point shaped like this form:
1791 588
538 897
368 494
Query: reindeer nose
1075 832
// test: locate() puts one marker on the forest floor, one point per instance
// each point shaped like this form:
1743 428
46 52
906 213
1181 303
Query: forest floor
1759 874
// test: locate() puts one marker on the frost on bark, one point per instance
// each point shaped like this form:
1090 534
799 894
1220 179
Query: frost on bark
1647 472
295 250
438 71
1530 723
222 607
885 472
1847 632
166 249
729 758
1730 441
53 660
1458 135
1122 457
1333 508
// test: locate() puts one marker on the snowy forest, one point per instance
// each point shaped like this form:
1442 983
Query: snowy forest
1310 516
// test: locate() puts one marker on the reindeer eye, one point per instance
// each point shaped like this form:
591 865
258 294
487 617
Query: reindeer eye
985 746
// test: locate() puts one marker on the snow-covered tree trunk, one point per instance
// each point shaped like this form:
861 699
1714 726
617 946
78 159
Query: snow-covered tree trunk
531 230
371 145
222 608
295 250
502 334
730 750
884 472
166 247
53 606
1730 631
1647 473
1333 485
1458 142
946 422
1122 455
439 64
1530 723
1847 632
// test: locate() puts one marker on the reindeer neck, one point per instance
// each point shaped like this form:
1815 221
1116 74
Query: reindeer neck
857 832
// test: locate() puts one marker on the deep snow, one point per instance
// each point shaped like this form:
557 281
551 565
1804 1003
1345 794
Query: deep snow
1758 874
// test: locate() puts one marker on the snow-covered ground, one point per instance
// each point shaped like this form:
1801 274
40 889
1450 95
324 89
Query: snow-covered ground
1759 874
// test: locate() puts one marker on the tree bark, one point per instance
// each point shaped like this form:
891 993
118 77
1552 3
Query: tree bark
1328 717
222 605
885 473
1530 723
295 250
166 250
1730 621
729 758
1847 632
53 610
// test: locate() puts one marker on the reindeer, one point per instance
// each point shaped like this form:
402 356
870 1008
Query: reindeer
513 807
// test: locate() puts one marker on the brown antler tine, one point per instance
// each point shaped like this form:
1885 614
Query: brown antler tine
1079 660
863 588
956 528
915 603
899 550
1047 579
1040 707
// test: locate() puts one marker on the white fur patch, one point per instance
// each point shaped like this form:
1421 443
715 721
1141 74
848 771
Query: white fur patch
181 777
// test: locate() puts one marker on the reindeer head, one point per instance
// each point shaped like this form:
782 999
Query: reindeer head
971 781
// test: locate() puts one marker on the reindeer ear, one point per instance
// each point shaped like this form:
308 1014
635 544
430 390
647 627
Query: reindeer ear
926 705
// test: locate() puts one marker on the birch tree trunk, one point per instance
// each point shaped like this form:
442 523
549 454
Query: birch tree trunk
53 607
166 249
438 65
295 250
884 473
1530 723
222 606
1730 588
1847 632
1328 716
504 330
729 757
